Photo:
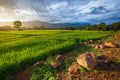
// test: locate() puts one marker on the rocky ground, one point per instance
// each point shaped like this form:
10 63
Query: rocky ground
107 64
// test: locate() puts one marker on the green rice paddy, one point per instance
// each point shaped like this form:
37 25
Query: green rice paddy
22 48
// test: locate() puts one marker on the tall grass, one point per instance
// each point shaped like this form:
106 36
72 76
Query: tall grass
21 48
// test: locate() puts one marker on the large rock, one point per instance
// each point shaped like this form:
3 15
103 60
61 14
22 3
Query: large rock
110 44
56 65
73 68
60 57
88 61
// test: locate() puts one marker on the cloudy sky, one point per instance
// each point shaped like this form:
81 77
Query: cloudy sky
60 11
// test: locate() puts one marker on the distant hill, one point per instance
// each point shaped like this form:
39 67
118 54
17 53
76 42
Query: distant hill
71 24
46 24
6 23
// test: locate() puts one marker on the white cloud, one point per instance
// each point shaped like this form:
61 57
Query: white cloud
17 14
60 10
58 5
6 14
25 12
88 7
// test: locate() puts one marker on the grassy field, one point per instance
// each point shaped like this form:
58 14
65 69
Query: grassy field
21 48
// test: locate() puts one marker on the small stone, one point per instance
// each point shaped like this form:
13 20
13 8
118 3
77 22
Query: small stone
73 68
37 64
102 46
97 46
116 36
91 41
92 45
60 57
85 43
56 65
98 41
81 43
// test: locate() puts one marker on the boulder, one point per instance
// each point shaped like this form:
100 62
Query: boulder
73 68
88 61
37 64
56 65
60 57
110 44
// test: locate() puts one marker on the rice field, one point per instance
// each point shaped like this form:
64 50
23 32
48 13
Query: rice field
22 48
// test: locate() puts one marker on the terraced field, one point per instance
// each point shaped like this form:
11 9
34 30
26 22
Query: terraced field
22 48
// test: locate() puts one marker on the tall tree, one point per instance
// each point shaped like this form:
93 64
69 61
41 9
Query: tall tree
17 24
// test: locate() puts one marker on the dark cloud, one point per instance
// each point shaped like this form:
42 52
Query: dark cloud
7 3
61 10
99 10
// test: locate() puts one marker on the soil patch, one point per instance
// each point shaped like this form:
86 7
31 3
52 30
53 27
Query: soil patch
24 74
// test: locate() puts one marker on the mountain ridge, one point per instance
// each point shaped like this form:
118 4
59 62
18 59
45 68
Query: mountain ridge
45 24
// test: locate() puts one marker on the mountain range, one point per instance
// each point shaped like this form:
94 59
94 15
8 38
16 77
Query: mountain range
45 24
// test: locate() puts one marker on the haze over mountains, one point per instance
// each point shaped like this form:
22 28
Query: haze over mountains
45 24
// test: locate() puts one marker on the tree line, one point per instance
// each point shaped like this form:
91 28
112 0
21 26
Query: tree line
103 27
97 27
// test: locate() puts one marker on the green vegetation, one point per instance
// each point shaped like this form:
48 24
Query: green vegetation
45 72
65 63
82 69
21 48
103 27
